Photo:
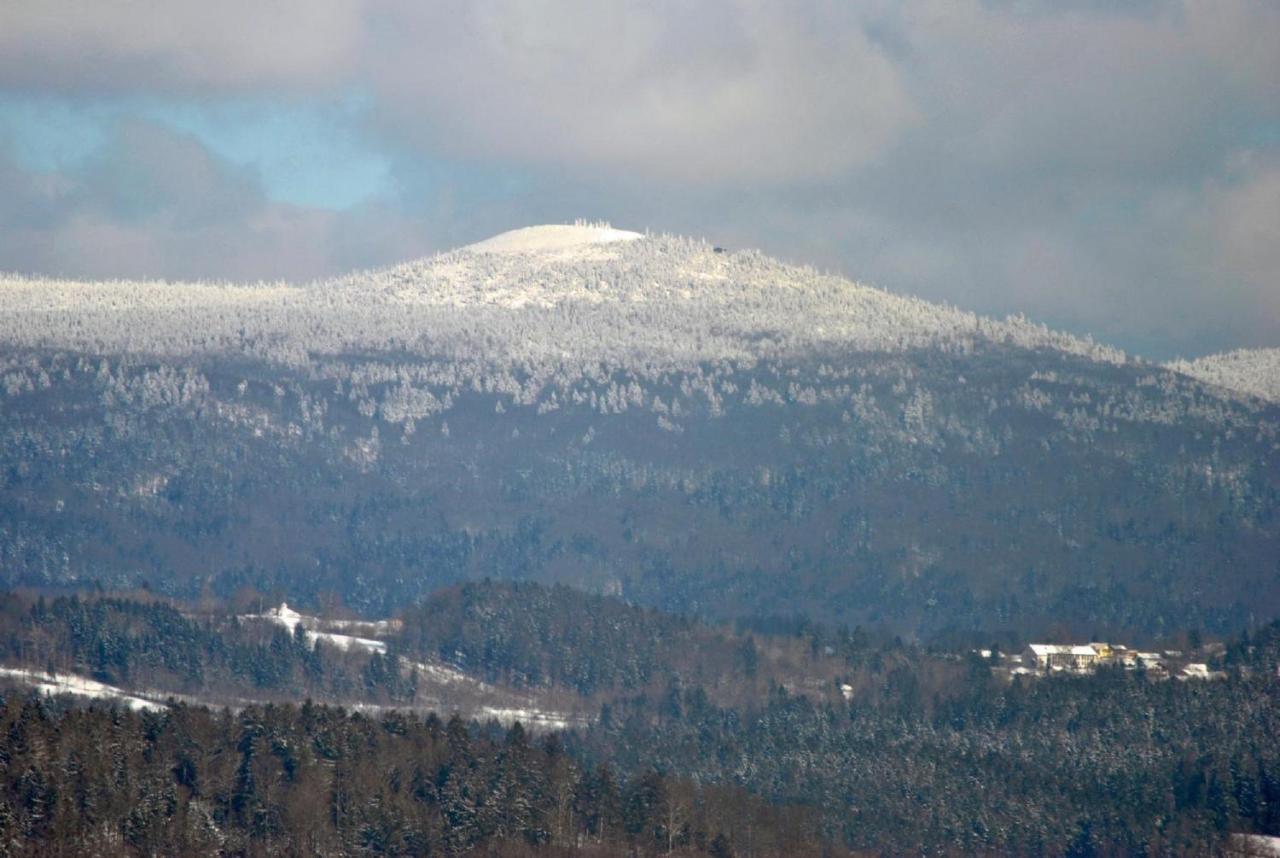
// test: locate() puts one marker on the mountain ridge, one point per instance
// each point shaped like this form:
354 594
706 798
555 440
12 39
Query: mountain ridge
1252 372
721 306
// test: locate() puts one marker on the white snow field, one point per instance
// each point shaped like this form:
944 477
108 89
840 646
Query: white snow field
77 686
291 619
1253 846
54 684
535 719
552 238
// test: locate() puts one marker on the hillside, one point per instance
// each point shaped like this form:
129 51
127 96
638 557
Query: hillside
832 741
1252 372
646 416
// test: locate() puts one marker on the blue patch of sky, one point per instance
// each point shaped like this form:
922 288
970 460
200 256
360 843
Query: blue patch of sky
48 135
308 154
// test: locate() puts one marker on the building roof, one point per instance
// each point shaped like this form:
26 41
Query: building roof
1042 650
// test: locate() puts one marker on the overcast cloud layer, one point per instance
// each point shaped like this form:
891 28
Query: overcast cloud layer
1105 167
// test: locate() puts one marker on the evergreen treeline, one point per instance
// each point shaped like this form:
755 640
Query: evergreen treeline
312 780
1108 764
528 635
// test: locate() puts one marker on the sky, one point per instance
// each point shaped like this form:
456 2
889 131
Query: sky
1109 167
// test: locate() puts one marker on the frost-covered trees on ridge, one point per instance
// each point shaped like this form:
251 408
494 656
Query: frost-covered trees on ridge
666 302
609 323
1254 372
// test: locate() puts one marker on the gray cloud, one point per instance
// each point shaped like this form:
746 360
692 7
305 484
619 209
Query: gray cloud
726 91
179 47
720 90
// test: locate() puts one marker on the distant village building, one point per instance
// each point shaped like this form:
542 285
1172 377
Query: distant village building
1150 660
1199 670
1045 658
1124 656
1041 659
1050 657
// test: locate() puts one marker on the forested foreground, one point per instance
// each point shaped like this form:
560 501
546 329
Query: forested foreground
1105 765
1102 765
1116 762
312 780
705 740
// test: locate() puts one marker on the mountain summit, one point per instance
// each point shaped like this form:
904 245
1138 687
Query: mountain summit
552 238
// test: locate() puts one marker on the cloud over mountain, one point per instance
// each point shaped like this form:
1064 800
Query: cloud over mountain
1107 167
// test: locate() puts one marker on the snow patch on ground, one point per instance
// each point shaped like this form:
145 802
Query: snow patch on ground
377 627
532 718
290 619
446 675
67 683
1260 845
346 642
552 238
524 711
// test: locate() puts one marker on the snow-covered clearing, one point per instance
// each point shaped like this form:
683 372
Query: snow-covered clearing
535 718
290 619
346 642
65 683
1259 845
68 683
446 675
313 628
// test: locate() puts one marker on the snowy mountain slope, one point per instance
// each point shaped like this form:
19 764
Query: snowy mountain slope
565 295
1253 372
638 415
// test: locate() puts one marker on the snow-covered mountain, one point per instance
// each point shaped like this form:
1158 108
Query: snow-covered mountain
560 294
650 416
1253 372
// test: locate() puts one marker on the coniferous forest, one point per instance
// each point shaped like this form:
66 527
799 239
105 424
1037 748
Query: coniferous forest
704 740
